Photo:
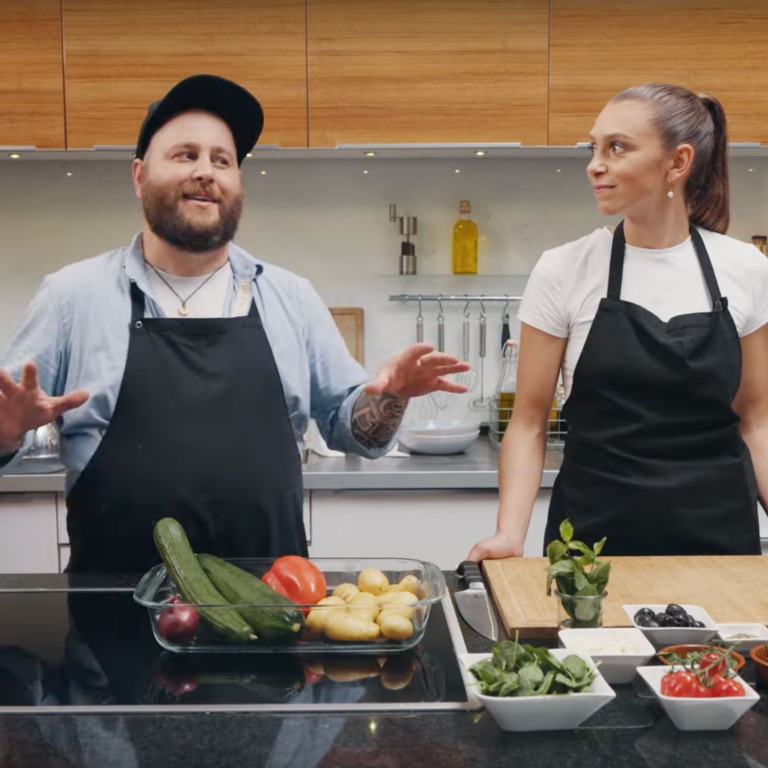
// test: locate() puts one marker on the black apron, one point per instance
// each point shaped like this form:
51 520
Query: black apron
201 433
654 459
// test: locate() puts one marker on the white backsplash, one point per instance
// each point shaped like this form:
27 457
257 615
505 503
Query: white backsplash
328 220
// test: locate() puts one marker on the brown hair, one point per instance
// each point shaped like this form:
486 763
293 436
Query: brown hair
683 117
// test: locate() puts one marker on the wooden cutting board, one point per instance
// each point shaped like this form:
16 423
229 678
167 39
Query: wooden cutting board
730 589
349 321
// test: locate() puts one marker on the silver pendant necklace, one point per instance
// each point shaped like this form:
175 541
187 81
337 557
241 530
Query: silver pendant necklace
182 308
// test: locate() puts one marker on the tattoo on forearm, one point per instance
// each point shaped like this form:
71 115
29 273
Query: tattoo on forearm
376 419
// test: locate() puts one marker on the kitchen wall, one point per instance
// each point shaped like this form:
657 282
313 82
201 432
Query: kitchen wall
328 220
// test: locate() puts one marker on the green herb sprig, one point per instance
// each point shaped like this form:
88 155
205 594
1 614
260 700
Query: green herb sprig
574 567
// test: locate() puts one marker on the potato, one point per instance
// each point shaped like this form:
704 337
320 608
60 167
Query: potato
364 604
346 669
346 591
317 616
409 583
372 580
394 626
398 602
398 670
341 625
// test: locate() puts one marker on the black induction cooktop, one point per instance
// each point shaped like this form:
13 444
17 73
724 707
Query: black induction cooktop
89 648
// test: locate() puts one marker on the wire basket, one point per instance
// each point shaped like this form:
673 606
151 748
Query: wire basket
500 412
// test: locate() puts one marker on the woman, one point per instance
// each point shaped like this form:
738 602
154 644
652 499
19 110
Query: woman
659 327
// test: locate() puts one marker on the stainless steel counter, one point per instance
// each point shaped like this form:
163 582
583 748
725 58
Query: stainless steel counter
475 469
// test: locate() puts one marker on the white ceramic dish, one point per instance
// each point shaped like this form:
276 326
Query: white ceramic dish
618 652
687 714
726 633
663 636
541 713
438 444
437 427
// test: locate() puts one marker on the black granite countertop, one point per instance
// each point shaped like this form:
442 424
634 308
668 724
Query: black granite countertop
644 737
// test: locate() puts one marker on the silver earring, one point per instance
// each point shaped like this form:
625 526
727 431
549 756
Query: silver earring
670 194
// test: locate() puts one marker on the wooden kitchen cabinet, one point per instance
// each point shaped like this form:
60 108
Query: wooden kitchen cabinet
120 56
600 47
437 526
31 84
430 71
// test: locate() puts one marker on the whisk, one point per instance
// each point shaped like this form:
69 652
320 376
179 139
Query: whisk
480 404
467 378
440 398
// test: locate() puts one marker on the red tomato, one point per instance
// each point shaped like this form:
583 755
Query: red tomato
683 684
713 662
701 691
302 580
727 687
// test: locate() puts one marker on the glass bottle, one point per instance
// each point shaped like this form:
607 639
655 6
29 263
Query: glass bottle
507 385
465 242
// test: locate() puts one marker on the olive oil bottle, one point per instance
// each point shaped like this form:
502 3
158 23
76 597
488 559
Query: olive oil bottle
465 242
507 386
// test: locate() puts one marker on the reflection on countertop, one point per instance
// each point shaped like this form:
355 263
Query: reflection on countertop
476 468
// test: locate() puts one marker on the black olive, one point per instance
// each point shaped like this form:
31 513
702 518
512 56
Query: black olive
698 624
646 620
673 609
645 612
665 620
680 621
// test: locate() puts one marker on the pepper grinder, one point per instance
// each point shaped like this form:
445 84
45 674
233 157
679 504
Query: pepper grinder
408 229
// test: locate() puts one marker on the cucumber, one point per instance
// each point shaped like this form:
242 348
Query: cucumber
194 585
241 588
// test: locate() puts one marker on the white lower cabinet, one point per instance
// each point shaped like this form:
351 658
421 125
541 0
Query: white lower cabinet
437 526
28 537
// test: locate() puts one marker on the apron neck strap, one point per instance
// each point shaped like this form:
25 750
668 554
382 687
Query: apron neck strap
617 266
137 303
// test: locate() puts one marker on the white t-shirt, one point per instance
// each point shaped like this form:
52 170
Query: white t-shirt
567 283
209 301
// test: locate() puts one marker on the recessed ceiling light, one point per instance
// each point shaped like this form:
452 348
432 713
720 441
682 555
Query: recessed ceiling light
14 155
480 153
750 170
249 154
559 170
365 171
458 170
263 173
69 173
370 153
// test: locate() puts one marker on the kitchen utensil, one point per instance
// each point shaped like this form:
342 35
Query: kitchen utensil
467 378
438 445
45 443
156 588
744 636
419 325
474 603
517 585
481 403
440 398
505 335
717 713
544 713
673 635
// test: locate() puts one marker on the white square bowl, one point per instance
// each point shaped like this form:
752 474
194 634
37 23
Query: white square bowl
617 651
542 713
726 633
663 636
688 714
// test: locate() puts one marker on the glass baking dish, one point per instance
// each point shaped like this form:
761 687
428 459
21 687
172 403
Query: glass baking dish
156 588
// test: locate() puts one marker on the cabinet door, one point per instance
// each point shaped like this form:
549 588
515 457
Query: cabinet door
430 71
28 533
31 85
121 56
600 47
437 526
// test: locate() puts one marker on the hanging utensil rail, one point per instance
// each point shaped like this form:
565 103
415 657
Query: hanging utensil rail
450 297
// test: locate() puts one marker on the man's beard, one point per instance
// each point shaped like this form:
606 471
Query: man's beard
168 222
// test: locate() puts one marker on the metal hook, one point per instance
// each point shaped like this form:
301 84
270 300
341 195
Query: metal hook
440 307
482 307
466 307
504 312
419 316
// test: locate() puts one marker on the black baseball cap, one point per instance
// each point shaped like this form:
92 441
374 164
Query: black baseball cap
237 107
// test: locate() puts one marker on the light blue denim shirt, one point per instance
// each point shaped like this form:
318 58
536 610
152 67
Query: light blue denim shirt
76 330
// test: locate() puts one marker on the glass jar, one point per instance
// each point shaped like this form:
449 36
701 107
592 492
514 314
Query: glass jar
579 611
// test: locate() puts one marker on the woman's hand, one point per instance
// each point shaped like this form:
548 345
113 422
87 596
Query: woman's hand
25 406
494 547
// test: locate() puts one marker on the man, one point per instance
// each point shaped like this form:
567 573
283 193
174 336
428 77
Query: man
183 371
